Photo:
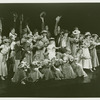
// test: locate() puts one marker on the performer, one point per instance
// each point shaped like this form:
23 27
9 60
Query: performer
65 40
75 41
57 31
12 37
87 64
46 70
93 52
12 34
18 55
51 49
3 58
39 54
42 15
35 74
67 70
28 50
1 35
21 74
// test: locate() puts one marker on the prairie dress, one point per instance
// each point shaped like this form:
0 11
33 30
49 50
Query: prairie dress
34 75
94 57
19 75
87 64
39 55
78 69
48 73
58 74
3 65
68 71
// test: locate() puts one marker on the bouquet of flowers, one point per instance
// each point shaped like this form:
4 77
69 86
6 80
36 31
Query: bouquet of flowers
23 65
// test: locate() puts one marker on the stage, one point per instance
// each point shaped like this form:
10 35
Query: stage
89 87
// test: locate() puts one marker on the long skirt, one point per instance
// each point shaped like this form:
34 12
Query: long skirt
48 73
17 62
3 65
68 72
19 75
74 48
58 74
87 64
34 75
28 58
94 57
78 70
39 55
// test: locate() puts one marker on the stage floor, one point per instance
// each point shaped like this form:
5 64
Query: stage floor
89 87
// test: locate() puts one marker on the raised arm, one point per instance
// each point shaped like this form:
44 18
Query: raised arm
42 19
30 32
56 25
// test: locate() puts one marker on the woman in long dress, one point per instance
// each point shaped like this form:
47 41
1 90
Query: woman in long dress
67 70
35 74
75 41
21 74
93 52
77 67
46 70
65 40
3 58
28 50
51 49
39 54
18 55
79 56
57 69
87 64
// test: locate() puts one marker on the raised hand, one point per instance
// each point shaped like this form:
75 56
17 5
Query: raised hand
58 18
15 16
42 15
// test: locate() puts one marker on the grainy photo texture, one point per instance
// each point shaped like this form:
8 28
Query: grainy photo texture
50 50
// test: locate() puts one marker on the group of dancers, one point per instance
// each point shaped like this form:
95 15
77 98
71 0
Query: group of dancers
43 55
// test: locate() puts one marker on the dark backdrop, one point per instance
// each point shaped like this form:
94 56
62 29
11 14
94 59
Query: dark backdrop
85 16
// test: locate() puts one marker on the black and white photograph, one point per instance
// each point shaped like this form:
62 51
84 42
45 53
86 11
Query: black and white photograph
50 50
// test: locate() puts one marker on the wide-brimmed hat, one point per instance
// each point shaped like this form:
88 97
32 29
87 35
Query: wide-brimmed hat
87 34
93 35
4 37
29 35
75 32
51 39
43 14
44 31
6 40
